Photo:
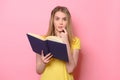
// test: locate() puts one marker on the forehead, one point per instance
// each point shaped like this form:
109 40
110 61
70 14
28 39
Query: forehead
60 14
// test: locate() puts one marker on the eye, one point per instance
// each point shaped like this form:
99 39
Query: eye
65 19
57 18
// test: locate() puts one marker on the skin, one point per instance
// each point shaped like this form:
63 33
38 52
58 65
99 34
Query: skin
60 22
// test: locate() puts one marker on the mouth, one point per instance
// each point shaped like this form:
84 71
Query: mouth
60 27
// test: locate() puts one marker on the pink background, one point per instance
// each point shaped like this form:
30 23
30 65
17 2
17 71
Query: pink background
97 23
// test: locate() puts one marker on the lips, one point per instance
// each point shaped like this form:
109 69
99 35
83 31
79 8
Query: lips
60 27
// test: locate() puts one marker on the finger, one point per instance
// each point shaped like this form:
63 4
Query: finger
65 31
47 55
42 54
48 59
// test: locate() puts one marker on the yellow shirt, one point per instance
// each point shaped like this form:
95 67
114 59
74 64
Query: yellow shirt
56 69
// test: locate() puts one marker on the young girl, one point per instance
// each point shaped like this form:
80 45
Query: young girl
60 26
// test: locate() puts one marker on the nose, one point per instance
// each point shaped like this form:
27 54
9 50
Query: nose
61 22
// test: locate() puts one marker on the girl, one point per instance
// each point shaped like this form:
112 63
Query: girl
51 68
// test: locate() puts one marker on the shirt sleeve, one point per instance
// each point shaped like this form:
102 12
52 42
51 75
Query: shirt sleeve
76 43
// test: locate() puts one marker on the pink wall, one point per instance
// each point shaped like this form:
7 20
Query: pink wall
97 23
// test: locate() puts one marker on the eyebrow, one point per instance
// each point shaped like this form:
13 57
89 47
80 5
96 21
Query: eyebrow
59 17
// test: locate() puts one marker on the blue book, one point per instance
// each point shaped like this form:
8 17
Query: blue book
50 44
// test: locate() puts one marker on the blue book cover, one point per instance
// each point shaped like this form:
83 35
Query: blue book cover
51 45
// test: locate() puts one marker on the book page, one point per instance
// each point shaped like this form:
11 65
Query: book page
54 38
51 38
37 36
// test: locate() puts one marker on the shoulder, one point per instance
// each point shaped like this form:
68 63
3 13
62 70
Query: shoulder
76 43
76 39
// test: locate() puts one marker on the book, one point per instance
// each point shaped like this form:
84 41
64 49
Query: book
50 44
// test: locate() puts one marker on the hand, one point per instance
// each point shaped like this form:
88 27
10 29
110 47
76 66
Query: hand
47 58
64 35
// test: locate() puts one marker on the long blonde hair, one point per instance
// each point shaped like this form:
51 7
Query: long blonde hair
51 29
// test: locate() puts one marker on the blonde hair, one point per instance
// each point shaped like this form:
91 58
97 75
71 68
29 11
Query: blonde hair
51 29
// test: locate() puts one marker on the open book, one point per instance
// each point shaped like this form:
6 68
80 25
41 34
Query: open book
50 44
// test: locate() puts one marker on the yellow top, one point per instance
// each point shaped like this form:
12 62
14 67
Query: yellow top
56 69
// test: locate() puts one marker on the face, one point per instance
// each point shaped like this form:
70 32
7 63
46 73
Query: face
60 21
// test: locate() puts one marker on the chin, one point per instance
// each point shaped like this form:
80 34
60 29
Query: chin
60 30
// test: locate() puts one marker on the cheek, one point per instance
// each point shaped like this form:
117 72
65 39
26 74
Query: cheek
55 22
65 24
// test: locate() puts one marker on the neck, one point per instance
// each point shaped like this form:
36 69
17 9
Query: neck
57 33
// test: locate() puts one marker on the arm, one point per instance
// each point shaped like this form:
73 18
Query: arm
41 62
40 66
73 58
